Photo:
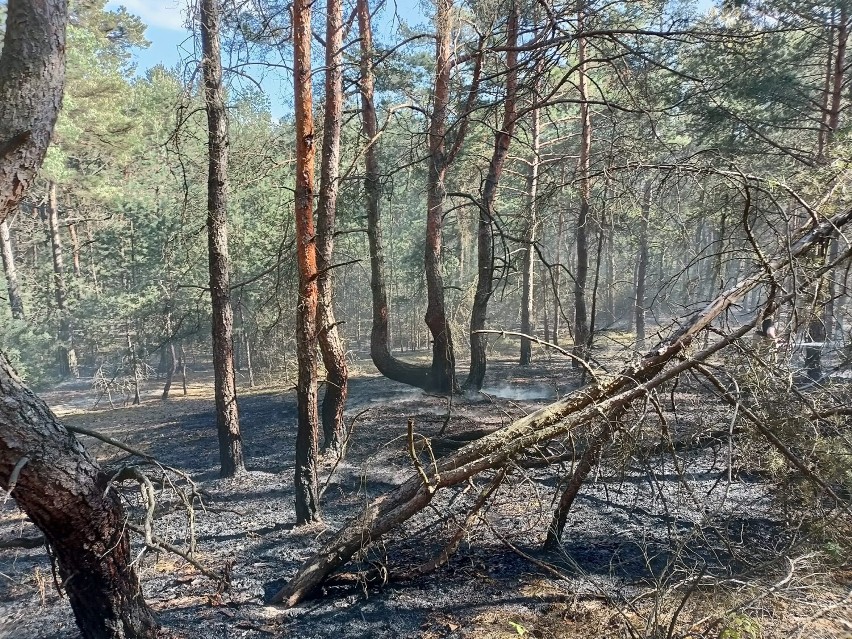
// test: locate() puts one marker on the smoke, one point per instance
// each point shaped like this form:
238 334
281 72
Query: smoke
518 393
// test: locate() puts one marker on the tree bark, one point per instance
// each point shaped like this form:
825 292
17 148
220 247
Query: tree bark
225 382
56 482
529 241
16 303
642 268
598 399
442 378
572 489
330 341
581 319
557 276
75 249
485 234
134 366
67 359
837 80
64 492
172 363
32 69
307 496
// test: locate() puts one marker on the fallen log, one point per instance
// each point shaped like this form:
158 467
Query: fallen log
605 397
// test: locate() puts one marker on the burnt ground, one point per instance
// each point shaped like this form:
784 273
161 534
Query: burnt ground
650 534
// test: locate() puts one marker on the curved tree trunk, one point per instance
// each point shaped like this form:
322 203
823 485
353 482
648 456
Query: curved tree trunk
225 381
385 362
485 235
307 495
330 342
48 472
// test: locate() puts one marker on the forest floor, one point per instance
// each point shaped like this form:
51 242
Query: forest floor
657 545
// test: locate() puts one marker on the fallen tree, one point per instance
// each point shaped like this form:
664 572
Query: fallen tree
605 397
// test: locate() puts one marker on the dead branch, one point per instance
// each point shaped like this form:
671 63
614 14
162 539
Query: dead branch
605 397
452 545
793 459
163 546
586 366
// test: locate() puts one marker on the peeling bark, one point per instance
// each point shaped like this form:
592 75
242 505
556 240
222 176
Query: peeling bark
307 495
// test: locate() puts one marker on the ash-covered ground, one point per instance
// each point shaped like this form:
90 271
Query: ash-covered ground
654 526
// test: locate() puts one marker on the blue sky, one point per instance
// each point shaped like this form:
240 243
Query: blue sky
172 43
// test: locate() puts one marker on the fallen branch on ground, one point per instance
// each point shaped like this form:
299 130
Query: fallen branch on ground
603 398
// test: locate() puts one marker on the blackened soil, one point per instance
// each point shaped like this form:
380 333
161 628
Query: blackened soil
645 524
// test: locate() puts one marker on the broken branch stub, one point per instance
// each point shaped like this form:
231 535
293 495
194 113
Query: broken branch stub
597 399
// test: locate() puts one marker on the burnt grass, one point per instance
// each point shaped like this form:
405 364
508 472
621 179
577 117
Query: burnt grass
650 529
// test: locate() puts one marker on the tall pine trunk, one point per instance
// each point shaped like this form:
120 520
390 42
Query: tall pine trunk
443 370
307 496
529 242
225 382
16 303
581 318
642 268
485 235
67 359
385 362
330 342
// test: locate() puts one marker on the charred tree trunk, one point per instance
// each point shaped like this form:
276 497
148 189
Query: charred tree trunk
225 382
529 241
66 355
642 268
572 489
307 496
600 399
581 317
16 303
485 234
330 341
48 472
